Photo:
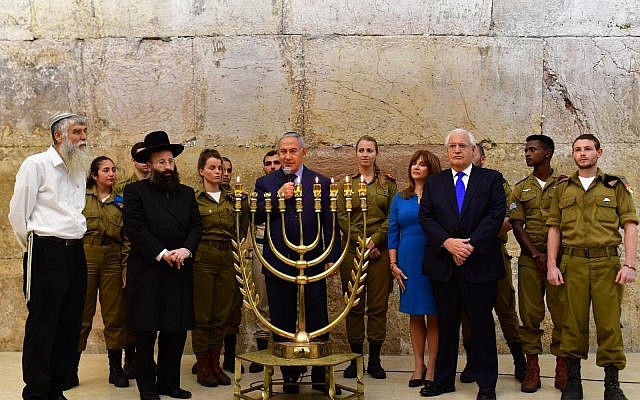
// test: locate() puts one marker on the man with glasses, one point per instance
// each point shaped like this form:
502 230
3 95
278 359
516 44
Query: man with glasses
461 212
162 221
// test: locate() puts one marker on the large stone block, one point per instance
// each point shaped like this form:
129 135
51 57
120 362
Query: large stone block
38 79
15 20
591 86
415 89
374 17
135 85
152 18
248 89
566 18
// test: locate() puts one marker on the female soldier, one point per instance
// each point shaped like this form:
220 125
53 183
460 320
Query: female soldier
106 253
214 279
378 284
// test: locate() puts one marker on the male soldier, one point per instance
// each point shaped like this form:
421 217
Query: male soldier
45 213
587 210
528 211
140 170
162 221
270 163
505 298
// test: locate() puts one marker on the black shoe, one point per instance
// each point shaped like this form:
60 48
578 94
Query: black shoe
290 385
176 393
612 389
419 381
519 360
324 388
351 371
116 373
373 366
149 395
486 394
435 389
57 396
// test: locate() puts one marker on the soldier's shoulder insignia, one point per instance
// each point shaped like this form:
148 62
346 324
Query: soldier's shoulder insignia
513 206
612 181
562 177
521 181
390 177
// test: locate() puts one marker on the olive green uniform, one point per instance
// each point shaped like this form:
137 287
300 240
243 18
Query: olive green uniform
118 188
378 283
505 306
214 282
106 251
589 222
530 204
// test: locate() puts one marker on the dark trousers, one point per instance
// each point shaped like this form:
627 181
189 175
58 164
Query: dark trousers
170 348
52 331
283 300
477 300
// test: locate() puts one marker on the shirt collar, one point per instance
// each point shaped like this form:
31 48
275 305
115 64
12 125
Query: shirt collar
467 171
299 172
54 156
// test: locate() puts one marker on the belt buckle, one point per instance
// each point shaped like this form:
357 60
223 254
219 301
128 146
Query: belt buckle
586 253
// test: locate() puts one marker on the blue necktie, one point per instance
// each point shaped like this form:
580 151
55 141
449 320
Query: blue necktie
460 190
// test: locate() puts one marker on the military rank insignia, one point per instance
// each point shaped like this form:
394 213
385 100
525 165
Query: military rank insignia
612 181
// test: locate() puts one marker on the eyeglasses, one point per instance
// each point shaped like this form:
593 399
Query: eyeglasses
454 146
268 163
170 162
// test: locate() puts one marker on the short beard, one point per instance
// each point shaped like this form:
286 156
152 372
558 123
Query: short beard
76 158
166 181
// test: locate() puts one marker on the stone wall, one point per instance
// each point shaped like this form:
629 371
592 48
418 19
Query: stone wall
237 74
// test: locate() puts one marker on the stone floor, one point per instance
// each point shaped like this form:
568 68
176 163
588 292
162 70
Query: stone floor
93 381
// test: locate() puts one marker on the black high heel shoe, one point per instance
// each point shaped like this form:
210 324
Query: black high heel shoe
418 381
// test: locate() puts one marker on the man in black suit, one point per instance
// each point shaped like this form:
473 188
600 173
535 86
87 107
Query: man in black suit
283 295
461 212
162 221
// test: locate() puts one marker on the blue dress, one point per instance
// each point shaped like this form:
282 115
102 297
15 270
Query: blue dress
408 239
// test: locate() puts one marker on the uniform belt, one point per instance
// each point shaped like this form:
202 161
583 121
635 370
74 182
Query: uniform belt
218 244
590 252
99 240
64 242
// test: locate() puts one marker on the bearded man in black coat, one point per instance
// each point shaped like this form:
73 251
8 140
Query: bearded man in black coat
162 221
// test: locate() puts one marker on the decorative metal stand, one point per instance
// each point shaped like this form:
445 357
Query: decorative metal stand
301 345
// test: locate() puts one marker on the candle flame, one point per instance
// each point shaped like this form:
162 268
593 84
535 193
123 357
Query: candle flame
332 181
361 179
238 179
316 179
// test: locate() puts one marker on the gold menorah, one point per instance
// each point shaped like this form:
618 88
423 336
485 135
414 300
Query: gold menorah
301 342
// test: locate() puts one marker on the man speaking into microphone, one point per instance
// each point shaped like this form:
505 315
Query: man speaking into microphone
283 295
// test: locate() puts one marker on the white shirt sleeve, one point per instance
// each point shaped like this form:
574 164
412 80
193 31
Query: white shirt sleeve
23 200
159 256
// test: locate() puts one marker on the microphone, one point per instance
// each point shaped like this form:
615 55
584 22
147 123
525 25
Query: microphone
287 173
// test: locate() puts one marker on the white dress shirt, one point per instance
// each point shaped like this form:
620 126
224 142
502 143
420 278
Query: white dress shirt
465 177
47 200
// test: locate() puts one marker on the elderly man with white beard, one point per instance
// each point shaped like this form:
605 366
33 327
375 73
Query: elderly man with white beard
46 215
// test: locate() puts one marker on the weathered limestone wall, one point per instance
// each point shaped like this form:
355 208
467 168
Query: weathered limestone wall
237 74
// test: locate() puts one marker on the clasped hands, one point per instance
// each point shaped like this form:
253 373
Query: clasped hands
287 190
460 249
175 258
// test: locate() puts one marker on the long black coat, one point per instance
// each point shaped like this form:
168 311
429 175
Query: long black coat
160 297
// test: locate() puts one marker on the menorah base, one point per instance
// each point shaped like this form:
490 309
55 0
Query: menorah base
297 350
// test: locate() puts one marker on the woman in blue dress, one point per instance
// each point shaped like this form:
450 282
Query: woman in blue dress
406 241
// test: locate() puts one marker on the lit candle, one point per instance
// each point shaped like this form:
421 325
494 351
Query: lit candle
317 189
362 189
347 186
238 188
333 188
297 190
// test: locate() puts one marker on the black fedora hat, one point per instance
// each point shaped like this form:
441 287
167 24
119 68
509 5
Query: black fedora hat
157 141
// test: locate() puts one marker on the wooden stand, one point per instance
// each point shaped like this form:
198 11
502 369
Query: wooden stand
269 361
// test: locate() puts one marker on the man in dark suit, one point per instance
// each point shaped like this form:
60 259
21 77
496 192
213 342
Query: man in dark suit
162 221
283 295
461 212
